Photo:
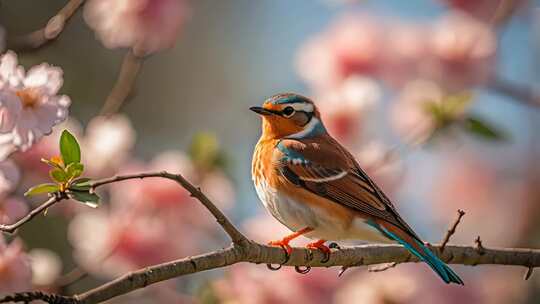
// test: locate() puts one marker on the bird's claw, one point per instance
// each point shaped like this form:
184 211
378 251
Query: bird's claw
301 270
287 249
319 245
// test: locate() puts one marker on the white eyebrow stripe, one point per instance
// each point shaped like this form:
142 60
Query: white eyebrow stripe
306 107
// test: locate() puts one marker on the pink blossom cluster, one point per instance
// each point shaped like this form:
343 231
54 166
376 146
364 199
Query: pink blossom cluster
29 103
456 51
146 26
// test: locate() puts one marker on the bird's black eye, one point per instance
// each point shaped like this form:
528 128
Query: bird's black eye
288 112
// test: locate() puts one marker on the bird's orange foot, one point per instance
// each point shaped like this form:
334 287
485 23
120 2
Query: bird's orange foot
319 245
283 244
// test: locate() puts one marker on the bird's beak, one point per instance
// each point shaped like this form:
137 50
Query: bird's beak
261 110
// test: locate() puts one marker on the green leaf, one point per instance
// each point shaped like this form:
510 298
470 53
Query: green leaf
74 170
81 184
478 127
59 175
87 198
69 148
42 188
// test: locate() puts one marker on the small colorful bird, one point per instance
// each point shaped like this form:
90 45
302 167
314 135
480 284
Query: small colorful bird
315 187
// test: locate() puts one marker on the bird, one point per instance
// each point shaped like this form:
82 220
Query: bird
311 184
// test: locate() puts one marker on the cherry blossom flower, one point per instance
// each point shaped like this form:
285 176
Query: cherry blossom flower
39 108
15 271
346 108
154 193
147 26
9 177
463 51
109 244
405 53
352 45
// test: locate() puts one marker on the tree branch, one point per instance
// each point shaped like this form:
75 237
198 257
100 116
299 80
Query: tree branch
55 198
49 32
243 250
124 84
257 253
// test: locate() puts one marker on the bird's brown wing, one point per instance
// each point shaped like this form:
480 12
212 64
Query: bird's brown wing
325 168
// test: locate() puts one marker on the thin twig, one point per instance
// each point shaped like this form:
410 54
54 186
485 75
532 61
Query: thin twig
529 273
236 236
520 93
55 198
124 84
478 245
71 277
452 229
49 32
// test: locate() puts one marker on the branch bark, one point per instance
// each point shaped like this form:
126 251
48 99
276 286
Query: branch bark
49 32
123 87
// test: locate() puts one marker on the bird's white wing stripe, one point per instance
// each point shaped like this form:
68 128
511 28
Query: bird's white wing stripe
325 179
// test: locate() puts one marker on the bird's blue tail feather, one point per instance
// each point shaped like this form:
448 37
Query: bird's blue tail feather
445 272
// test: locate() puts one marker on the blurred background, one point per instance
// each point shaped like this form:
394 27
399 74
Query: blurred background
438 100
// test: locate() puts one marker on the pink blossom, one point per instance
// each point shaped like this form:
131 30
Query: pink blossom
112 243
406 283
146 26
244 284
346 109
9 177
15 271
352 45
39 109
463 51
155 192
405 54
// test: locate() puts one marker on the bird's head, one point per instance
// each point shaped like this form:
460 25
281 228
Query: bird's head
289 115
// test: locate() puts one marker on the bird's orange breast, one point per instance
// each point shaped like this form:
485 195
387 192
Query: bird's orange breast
264 168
